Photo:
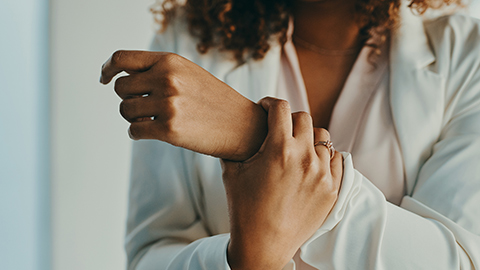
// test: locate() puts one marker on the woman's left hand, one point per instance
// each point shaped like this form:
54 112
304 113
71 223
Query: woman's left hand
278 198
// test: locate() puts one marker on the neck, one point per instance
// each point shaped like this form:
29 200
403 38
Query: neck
329 24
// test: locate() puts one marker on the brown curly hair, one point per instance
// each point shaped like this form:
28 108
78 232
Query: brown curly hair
246 27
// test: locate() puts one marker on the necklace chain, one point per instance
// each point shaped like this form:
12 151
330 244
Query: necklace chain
319 50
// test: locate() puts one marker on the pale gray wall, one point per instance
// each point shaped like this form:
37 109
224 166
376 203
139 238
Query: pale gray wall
90 145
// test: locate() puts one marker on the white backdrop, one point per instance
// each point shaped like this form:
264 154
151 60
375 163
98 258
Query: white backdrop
90 145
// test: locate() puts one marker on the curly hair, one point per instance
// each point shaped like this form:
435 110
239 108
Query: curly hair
246 27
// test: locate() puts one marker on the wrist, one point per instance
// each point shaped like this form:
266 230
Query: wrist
254 255
251 132
240 259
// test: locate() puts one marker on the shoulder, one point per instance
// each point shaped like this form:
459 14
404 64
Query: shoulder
174 33
455 41
458 24
176 38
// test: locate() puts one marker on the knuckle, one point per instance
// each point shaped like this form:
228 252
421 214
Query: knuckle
171 58
171 83
305 115
323 133
120 85
103 72
168 124
309 164
312 163
327 186
134 132
170 108
126 108
265 100
281 104
296 115
332 193
283 153
118 56
169 129
302 116
270 103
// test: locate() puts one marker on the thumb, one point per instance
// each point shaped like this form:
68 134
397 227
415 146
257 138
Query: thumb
130 61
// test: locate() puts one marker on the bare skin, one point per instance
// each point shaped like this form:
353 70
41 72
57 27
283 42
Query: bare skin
235 126
193 109
169 98
269 171
278 198
325 75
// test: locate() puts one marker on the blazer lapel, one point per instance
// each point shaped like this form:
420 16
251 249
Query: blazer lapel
416 94
257 79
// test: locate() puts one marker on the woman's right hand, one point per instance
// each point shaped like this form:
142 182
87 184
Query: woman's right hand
283 194
169 98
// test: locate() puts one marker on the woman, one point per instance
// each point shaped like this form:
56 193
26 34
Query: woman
404 101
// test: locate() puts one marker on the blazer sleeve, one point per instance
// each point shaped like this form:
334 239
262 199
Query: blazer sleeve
438 225
164 228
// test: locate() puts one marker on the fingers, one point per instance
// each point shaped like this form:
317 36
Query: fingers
336 168
142 130
303 127
135 109
283 125
131 86
129 61
279 118
321 134
149 119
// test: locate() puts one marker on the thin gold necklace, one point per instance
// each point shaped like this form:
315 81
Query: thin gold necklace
319 50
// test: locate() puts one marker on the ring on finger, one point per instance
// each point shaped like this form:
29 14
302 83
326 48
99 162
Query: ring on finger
327 144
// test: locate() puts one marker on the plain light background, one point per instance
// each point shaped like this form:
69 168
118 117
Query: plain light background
64 148
90 145
91 149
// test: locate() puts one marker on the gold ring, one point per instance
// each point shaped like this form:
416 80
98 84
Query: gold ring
329 146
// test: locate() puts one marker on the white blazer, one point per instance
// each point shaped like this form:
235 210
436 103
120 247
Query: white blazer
178 218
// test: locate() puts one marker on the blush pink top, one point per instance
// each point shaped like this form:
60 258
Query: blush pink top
361 122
